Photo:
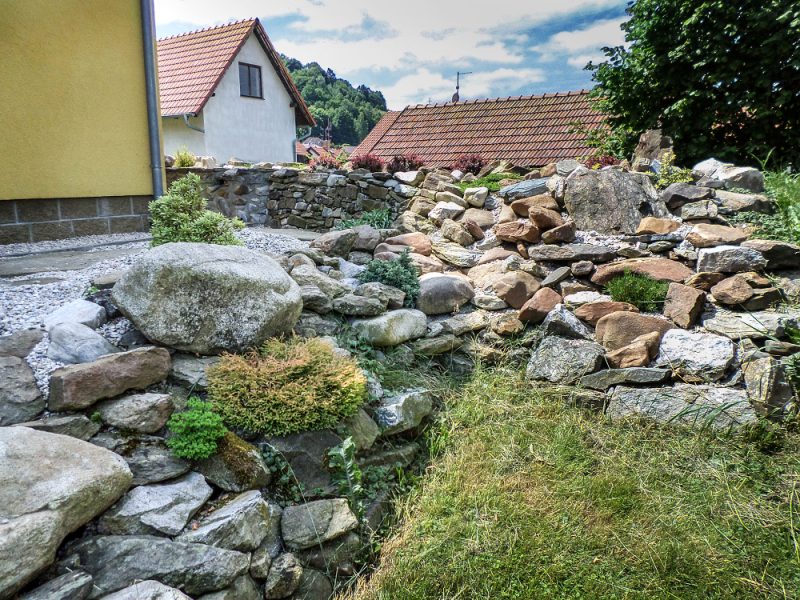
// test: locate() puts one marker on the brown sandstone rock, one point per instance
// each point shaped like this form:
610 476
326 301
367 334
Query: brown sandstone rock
426 264
756 280
484 275
708 236
733 290
417 241
620 328
549 170
516 287
495 254
683 304
582 268
594 311
704 281
506 215
544 218
639 353
474 229
653 225
507 324
522 205
562 234
483 218
661 269
541 303
517 232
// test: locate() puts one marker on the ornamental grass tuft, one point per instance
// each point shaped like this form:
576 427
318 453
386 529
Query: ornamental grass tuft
645 293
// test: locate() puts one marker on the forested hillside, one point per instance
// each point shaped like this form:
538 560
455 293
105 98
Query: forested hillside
353 111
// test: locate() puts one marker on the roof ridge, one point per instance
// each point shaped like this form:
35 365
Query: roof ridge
486 100
177 35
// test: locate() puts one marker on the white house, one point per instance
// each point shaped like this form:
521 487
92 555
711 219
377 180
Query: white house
225 93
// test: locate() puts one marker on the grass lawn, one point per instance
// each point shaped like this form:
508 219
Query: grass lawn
525 498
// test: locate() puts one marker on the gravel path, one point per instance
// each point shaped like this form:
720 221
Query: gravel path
25 306
78 242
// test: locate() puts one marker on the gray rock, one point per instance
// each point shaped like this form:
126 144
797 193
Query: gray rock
116 562
350 270
206 299
313 586
361 306
77 311
145 413
315 300
306 275
602 380
403 455
443 293
244 588
313 325
404 411
455 254
729 203
336 243
190 371
161 508
313 523
241 524
49 486
561 360
148 590
147 456
392 297
694 405
20 343
77 426
284 577
437 345
565 167
362 429
754 325
337 558
488 302
610 201
70 586
523 189
556 276
20 399
572 253
729 259
392 328
768 386
696 357
779 255
561 322
260 563
72 343
236 466
678 194
306 454
465 322
746 178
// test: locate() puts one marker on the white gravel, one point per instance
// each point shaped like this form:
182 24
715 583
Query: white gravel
78 242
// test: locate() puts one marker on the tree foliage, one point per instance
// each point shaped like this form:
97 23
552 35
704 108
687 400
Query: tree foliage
720 77
353 111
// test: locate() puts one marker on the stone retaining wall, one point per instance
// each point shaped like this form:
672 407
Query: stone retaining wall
297 199
36 220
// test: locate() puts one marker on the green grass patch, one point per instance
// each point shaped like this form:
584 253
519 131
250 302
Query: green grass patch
491 182
380 218
526 499
784 225
644 292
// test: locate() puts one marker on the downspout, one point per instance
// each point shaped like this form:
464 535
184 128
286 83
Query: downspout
189 125
151 90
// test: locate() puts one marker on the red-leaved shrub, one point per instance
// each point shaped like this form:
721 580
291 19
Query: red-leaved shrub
370 162
469 163
598 161
404 162
326 161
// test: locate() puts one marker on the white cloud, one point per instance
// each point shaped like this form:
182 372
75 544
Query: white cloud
587 42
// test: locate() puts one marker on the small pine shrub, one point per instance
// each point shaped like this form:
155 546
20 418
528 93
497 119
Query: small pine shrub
196 431
181 216
184 158
404 162
598 161
380 218
643 292
371 162
326 161
469 163
399 272
287 386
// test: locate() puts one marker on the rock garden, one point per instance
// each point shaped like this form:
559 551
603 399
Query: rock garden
212 421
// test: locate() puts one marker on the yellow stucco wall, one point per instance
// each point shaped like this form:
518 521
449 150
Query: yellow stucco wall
73 112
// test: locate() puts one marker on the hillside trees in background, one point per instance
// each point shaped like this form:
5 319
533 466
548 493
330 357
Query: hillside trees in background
721 77
353 111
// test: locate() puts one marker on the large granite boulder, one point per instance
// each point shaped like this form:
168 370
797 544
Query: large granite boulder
49 486
20 399
610 201
443 293
208 299
392 328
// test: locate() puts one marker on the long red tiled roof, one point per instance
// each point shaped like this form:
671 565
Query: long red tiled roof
528 130
192 64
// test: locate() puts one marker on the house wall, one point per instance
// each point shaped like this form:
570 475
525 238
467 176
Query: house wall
248 128
177 135
74 114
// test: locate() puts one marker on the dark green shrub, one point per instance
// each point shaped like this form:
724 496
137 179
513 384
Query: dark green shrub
184 158
380 218
643 292
399 272
181 216
289 385
196 431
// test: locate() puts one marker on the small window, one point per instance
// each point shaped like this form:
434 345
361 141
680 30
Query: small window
250 80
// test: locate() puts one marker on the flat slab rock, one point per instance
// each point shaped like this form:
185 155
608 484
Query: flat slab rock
693 405
560 360
753 325
602 380
147 456
70 586
307 525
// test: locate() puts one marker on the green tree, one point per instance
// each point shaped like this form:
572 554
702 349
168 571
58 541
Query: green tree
721 77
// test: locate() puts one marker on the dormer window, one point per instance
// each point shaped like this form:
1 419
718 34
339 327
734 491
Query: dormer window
250 81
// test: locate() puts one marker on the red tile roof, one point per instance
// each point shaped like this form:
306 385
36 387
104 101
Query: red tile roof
528 130
192 64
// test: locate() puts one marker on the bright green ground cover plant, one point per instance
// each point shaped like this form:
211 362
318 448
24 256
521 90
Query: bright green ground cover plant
491 182
196 431
645 293
527 499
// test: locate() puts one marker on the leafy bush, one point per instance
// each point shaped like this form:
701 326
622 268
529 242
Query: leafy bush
643 292
670 174
184 158
469 163
490 182
325 161
598 161
619 143
371 162
181 216
767 227
399 272
289 385
404 162
380 218
196 431
347 474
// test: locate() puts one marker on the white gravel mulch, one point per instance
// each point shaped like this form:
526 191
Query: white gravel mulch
78 242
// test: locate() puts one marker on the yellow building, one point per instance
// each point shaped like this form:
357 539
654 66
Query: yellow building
79 124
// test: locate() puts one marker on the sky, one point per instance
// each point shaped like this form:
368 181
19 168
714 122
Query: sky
411 50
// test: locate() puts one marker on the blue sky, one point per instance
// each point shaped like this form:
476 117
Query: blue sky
412 49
